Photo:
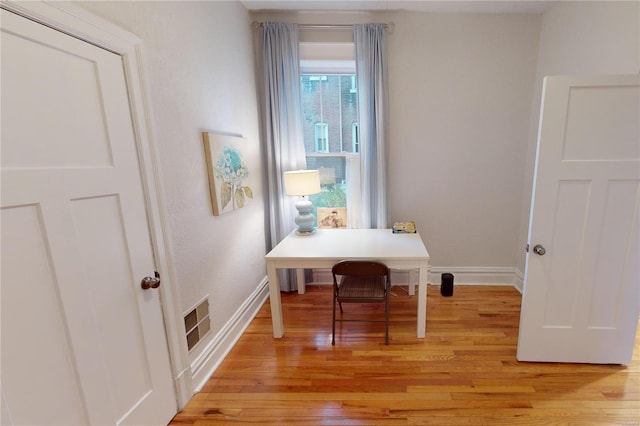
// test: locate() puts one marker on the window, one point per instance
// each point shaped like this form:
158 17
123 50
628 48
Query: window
330 106
330 128
321 136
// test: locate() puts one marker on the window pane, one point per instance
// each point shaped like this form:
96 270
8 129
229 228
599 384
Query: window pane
329 105
331 101
332 181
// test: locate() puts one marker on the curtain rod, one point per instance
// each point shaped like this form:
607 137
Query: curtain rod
388 26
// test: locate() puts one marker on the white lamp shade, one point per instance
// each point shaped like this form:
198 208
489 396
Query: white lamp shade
302 182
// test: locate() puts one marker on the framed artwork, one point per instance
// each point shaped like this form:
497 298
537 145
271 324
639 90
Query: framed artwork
230 173
332 217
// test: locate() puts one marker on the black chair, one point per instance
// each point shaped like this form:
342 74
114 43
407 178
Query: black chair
361 281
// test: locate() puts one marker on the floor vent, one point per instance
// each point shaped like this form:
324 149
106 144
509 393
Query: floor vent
197 324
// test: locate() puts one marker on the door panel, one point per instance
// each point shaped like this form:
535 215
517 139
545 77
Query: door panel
615 124
74 88
611 271
34 334
581 299
74 225
566 241
95 220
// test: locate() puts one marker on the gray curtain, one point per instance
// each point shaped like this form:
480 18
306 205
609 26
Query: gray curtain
283 130
371 71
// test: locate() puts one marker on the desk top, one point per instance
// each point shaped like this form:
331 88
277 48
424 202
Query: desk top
338 244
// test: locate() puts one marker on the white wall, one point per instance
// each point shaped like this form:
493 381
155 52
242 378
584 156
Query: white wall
460 93
200 72
580 38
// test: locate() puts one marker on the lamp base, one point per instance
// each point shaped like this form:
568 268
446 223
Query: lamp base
305 219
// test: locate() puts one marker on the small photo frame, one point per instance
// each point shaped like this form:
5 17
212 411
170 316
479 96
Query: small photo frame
230 172
332 217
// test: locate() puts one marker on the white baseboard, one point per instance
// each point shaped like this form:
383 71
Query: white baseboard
214 353
519 281
462 275
184 387
324 277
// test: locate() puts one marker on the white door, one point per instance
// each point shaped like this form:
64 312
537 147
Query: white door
581 296
82 342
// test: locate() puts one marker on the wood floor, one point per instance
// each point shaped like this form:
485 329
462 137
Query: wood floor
463 372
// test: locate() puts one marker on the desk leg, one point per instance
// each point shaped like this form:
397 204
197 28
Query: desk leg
412 282
422 300
275 302
300 278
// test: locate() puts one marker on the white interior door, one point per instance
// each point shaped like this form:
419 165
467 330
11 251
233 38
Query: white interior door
82 343
581 297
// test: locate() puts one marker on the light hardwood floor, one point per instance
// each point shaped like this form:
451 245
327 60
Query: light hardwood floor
464 371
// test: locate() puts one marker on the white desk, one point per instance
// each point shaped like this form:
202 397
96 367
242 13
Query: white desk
328 246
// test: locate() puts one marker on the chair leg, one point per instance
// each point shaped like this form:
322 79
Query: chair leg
333 332
386 313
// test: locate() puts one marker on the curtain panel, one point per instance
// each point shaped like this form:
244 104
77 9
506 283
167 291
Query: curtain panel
372 77
283 130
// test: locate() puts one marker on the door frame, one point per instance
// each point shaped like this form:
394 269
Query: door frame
79 23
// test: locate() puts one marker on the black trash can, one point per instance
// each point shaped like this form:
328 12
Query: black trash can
446 286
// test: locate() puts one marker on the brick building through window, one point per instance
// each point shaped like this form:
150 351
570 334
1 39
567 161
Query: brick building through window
330 126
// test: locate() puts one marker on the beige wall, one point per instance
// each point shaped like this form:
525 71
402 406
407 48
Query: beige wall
460 93
580 38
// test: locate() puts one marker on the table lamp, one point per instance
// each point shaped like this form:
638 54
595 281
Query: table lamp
303 183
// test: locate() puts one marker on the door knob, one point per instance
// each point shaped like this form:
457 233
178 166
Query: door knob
539 250
150 282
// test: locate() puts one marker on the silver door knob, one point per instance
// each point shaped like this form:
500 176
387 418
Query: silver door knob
539 250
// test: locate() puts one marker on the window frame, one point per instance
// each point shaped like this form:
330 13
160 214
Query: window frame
355 138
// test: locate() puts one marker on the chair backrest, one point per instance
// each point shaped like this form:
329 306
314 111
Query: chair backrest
360 268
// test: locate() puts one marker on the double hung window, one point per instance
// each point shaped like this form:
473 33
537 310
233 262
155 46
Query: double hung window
330 111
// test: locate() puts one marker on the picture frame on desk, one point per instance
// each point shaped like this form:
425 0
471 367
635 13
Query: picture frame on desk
332 217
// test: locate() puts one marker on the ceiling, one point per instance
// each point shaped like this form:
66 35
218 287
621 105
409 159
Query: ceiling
442 6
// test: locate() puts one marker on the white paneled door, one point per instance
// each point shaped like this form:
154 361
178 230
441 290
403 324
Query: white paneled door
581 297
82 342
